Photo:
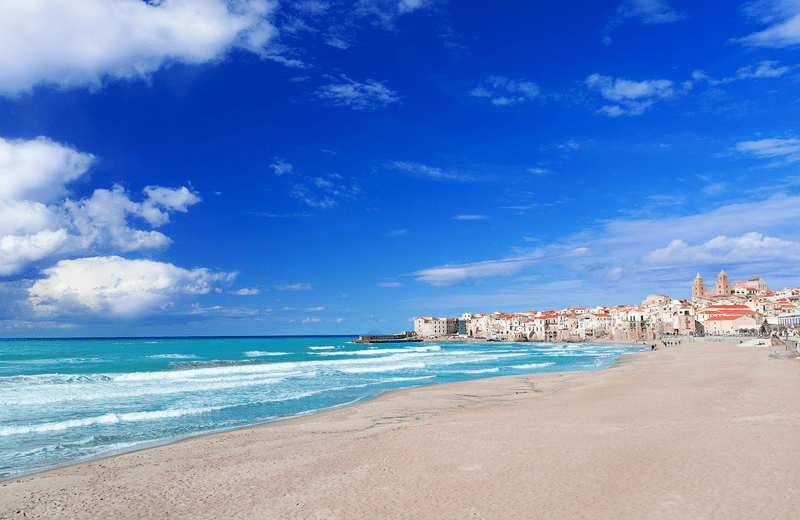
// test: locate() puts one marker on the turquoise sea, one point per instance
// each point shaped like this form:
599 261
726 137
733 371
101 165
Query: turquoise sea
67 400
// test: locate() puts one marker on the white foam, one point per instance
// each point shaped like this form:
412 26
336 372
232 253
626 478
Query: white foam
172 356
380 351
479 371
381 368
109 418
321 348
36 396
257 353
533 365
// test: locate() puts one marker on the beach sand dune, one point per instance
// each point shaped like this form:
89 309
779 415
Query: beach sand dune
698 431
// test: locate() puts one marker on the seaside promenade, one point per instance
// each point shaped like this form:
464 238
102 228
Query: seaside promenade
698 430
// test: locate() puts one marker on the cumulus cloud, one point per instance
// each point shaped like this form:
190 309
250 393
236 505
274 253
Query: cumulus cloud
749 248
315 309
782 18
38 170
503 91
430 172
358 96
311 320
632 97
31 231
35 224
83 42
116 287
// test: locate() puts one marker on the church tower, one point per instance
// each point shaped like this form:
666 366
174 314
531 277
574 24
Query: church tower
698 288
723 287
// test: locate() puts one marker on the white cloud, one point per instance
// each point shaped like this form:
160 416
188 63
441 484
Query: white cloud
626 256
498 89
83 42
765 69
314 309
470 217
35 224
783 19
431 172
749 248
633 97
281 167
301 192
323 193
650 11
116 287
448 275
311 320
226 312
539 171
390 285
623 89
38 170
294 287
789 148
397 232
358 96
247 292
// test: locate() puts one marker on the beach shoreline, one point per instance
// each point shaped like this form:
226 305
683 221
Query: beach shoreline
334 464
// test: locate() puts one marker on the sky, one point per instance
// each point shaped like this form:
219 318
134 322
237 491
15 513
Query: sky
272 167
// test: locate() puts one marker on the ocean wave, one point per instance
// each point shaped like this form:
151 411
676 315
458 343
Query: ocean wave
256 353
478 371
249 368
381 351
322 348
533 365
214 363
54 379
57 447
39 396
172 356
109 418
381 368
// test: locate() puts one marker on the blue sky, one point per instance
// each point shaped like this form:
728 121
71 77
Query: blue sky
321 167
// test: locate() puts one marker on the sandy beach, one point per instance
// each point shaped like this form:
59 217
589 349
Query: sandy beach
696 431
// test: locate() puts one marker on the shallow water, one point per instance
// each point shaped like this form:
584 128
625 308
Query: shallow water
63 401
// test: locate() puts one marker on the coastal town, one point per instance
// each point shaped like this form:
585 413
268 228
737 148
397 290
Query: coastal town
747 307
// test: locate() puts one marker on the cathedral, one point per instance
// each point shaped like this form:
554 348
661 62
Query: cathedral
723 287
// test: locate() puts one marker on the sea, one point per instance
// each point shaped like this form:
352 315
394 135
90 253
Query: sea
69 400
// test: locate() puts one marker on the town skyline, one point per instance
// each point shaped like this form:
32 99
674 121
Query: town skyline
744 307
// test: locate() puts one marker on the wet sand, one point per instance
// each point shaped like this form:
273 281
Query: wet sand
696 431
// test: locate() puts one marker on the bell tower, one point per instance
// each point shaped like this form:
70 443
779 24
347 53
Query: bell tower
723 287
699 289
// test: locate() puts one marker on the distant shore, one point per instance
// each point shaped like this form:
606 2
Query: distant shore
700 430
